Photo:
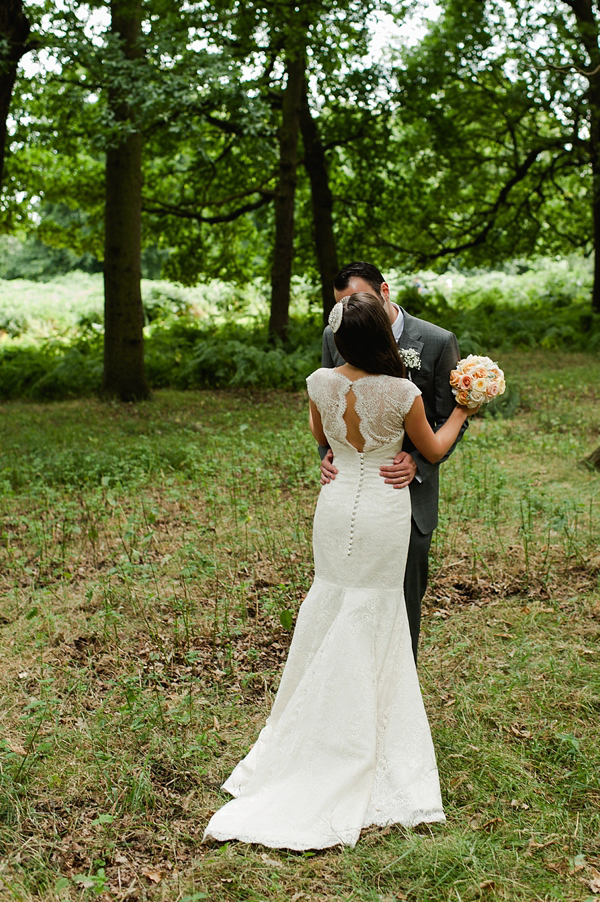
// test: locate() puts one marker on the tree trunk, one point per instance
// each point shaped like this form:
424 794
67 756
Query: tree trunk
589 34
594 106
595 148
14 31
322 203
124 375
283 251
593 461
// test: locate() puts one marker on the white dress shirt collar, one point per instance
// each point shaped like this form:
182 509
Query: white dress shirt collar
398 324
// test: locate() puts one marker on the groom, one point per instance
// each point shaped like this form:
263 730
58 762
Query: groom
436 350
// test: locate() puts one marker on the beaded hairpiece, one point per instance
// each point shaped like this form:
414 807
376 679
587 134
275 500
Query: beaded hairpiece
335 317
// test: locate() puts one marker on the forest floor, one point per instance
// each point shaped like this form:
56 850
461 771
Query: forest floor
152 560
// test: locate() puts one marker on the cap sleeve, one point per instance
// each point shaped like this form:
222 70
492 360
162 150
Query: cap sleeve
406 393
316 386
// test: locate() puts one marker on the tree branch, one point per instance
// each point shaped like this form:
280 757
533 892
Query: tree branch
171 210
489 215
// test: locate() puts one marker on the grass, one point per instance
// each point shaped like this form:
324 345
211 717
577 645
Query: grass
151 558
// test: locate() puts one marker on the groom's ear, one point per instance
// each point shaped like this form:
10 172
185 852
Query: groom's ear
385 291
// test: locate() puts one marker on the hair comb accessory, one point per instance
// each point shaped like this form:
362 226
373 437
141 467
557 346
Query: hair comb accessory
335 317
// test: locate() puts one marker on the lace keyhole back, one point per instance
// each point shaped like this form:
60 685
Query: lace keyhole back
354 436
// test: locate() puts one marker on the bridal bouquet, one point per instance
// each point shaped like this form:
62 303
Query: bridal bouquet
476 380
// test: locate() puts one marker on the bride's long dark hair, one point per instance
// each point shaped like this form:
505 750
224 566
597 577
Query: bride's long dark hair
365 339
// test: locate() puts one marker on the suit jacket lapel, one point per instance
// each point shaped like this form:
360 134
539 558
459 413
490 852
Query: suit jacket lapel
411 333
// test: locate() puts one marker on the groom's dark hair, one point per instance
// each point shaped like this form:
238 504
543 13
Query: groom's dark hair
360 270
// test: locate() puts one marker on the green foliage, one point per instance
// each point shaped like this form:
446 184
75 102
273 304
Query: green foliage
215 335
468 146
35 261
478 153
533 304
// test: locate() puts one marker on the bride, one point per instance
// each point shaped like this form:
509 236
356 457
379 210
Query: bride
347 744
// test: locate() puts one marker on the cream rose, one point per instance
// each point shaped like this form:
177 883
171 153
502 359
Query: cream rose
476 397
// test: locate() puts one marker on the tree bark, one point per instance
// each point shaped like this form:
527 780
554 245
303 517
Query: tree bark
593 460
124 375
594 119
588 28
283 250
322 203
14 31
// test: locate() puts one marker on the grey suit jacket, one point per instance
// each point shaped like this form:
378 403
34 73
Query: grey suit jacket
439 354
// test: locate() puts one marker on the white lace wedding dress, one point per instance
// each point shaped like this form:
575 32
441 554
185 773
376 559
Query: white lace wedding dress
347 744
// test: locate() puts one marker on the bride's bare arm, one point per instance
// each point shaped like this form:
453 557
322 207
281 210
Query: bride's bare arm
433 445
316 426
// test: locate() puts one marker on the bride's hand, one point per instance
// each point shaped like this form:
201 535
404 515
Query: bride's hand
470 411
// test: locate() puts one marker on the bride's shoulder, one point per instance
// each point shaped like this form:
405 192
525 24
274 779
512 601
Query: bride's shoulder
323 374
403 391
400 385
320 378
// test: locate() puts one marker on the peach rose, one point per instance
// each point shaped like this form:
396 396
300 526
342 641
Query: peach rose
462 397
492 390
465 382
455 379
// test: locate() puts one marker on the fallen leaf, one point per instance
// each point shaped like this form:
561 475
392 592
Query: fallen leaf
475 825
594 885
533 846
16 747
520 731
152 874
270 861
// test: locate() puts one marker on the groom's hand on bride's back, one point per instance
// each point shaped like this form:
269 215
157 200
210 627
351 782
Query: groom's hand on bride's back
401 472
328 471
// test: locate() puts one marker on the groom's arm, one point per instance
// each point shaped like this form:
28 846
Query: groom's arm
326 349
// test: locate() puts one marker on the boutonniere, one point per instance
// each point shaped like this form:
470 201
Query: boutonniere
410 358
